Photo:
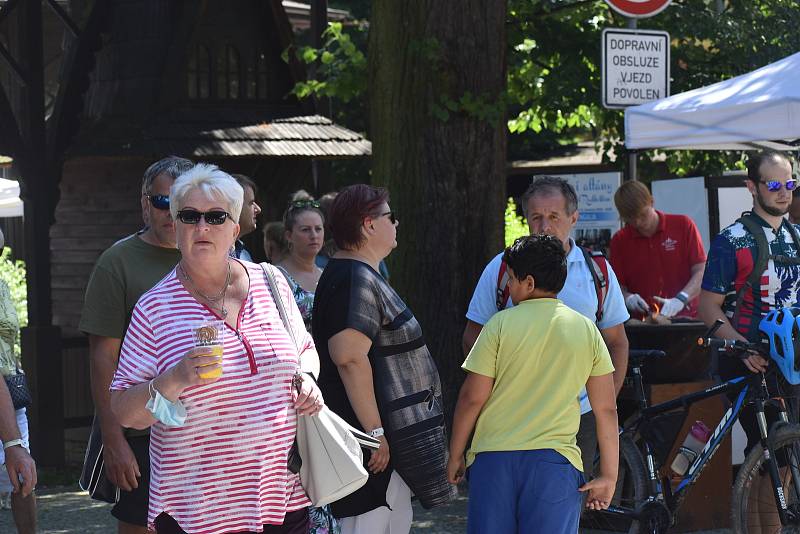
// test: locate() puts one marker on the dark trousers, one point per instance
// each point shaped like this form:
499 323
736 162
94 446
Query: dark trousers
294 523
132 505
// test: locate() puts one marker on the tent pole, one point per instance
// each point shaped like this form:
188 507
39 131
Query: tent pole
632 174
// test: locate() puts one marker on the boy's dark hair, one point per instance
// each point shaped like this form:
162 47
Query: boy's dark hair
541 256
755 160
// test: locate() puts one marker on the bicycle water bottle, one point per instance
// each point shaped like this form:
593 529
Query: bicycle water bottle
694 442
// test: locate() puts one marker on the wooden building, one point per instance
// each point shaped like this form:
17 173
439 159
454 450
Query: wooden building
139 80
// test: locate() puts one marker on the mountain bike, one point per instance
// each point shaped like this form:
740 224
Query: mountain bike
645 500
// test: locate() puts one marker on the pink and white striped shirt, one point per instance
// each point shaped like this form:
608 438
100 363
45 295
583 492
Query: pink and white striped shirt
225 469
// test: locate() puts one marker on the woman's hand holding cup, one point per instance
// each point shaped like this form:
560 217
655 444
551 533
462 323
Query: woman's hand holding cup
187 372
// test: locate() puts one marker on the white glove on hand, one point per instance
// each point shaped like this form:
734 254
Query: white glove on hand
669 307
636 304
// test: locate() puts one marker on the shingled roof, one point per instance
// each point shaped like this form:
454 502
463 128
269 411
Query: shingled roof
311 136
308 136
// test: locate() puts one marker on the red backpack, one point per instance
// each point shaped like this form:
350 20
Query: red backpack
598 265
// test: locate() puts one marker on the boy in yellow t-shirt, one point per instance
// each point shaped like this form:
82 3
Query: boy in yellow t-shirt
525 373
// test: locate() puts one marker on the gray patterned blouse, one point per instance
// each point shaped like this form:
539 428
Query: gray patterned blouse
351 294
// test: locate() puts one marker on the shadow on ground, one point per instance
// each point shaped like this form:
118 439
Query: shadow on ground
68 510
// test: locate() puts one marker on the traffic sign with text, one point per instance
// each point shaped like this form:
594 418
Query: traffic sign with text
635 66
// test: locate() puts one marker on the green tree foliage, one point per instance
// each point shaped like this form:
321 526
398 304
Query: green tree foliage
13 274
515 225
554 71
342 67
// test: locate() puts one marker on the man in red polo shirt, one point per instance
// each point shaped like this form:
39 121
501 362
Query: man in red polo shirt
658 257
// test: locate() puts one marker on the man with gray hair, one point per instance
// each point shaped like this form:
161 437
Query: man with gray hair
121 275
550 205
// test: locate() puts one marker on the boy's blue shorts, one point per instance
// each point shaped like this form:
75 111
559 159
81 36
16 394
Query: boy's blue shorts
525 492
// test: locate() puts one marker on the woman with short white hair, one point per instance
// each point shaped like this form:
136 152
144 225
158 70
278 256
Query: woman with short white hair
219 446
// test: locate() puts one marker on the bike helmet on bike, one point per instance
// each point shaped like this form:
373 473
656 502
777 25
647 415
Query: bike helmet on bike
782 331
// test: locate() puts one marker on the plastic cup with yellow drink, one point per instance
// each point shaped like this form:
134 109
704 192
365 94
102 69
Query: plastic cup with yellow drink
211 334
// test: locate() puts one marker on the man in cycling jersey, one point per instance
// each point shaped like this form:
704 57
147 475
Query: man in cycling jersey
727 292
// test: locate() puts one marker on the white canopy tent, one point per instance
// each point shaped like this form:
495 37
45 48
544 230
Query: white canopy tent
10 203
760 109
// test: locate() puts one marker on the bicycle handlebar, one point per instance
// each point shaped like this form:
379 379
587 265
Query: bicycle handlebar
742 347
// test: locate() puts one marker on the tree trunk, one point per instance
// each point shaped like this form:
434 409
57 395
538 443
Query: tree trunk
443 162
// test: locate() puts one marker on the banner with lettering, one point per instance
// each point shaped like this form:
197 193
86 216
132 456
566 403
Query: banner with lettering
598 219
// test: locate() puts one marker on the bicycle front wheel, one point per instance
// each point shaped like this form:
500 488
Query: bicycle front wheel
631 491
753 508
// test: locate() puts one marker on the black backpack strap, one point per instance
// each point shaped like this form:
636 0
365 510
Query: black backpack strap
762 247
759 264
795 236
598 266
786 260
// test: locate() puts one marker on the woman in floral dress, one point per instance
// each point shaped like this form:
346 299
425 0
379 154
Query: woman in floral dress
305 235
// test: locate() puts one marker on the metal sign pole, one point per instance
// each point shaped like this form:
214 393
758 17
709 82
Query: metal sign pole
632 155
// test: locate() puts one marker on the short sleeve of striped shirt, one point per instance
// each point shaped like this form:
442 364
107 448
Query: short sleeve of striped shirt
138 355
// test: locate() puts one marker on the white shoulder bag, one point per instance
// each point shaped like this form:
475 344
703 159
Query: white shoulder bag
330 449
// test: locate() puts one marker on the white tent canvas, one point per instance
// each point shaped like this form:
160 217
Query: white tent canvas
760 109
10 203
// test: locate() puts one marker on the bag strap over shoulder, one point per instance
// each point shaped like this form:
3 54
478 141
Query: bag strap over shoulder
269 275
794 234
598 266
502 292
762 248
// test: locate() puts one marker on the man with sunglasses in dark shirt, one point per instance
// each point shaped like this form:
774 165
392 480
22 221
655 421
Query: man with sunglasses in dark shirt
125 271
735 293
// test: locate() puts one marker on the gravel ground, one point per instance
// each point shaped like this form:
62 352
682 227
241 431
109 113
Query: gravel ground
64 510
67 510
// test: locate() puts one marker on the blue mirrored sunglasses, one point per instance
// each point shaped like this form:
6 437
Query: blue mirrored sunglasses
159 202
775 185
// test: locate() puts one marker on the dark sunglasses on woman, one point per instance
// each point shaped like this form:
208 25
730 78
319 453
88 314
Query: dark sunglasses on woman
159 202
775 185
213 217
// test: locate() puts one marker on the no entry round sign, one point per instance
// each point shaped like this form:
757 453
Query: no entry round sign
638 9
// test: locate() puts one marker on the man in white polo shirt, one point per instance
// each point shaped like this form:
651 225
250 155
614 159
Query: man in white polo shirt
550 205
